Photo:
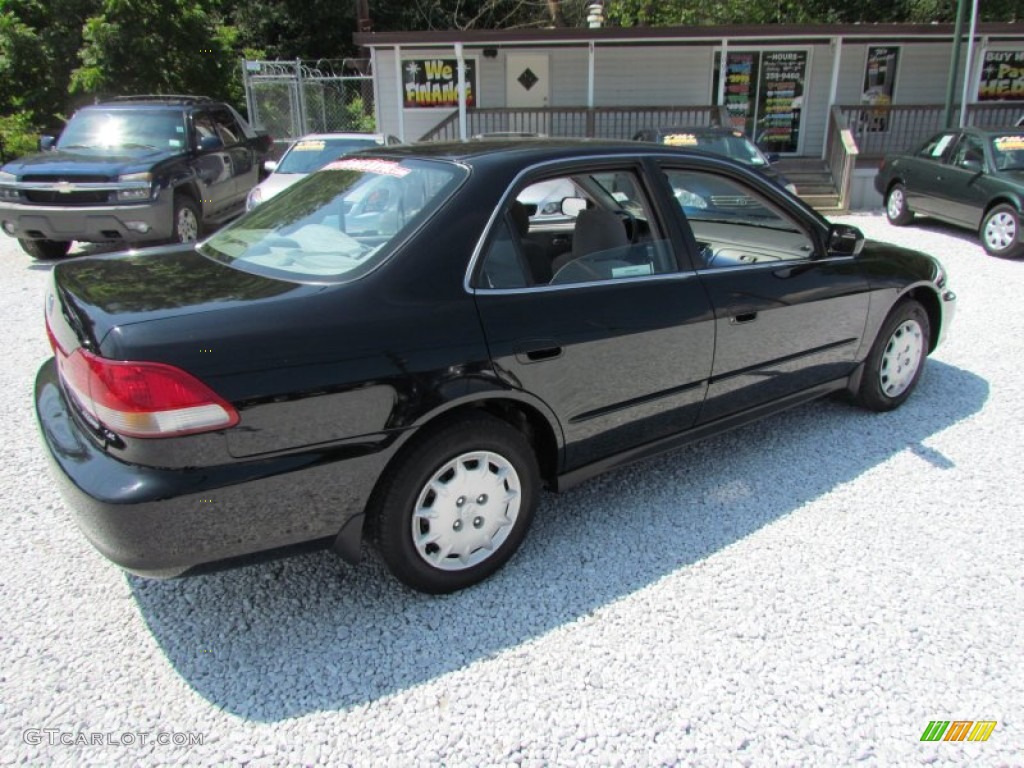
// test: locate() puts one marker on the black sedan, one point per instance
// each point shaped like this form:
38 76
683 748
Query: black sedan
972 178
719 141
420 368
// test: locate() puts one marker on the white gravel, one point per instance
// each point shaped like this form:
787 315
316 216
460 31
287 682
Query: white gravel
811 590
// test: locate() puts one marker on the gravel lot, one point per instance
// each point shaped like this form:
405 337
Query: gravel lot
811 590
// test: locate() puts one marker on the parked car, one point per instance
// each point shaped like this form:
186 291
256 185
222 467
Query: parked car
719 141
307 154
293 378
972 178
137 169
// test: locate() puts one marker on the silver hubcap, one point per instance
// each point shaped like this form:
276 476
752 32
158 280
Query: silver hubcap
187 226
895 203
466 511
902 358
1000 231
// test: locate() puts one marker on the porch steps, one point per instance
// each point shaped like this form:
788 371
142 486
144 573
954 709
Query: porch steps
814 182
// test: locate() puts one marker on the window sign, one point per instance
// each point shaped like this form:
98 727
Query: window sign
879 84
428 83
764 93
1002 76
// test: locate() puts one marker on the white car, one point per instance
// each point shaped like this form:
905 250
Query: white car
306 155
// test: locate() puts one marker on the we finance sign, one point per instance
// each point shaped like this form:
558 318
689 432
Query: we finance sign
435 83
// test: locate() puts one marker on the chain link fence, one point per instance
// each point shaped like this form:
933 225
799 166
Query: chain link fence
289 99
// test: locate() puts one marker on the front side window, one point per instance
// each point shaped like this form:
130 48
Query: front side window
969 151
336 224
735 225
580 227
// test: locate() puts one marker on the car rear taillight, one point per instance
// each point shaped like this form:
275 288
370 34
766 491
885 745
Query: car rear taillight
143 399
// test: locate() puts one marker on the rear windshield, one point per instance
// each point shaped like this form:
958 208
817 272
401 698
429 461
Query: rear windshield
338 223
306 155
124 129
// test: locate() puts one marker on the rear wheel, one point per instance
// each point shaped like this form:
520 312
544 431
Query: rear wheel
186 219
45 249
896 208
897 358
457 505
1000 232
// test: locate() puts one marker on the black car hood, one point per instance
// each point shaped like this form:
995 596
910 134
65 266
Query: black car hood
87 162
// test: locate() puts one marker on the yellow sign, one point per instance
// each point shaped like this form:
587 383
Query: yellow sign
309 145
680 140
1008 143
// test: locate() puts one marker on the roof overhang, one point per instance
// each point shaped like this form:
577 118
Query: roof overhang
751 33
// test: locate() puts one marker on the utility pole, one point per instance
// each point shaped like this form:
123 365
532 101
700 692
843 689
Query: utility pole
954 67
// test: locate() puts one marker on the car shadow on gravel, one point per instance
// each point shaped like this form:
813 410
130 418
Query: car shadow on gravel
291 637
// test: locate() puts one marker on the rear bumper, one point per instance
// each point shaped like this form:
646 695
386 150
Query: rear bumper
162 523
92 224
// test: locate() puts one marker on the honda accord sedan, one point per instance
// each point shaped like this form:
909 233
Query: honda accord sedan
305 378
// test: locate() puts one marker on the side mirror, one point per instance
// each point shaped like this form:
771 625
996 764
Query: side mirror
270 166
971 165
571 206
210 143
772 157
46 143
844 240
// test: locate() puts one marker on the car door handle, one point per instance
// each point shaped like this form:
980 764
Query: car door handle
746 317
538 354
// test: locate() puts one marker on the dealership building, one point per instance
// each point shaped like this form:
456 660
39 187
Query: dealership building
827 98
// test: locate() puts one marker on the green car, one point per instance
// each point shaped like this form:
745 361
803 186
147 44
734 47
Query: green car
969 177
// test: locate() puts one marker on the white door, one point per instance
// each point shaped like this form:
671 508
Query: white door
527 82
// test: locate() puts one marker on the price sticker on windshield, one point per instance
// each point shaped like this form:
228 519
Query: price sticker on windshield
310 145
1009 143
381 167
680 140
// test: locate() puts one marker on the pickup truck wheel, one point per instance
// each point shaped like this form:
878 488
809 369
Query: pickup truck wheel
186 220
45 249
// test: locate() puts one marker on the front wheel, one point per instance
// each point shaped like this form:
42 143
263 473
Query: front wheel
457 505
186 220
896 208
45 250
897 358
1000 232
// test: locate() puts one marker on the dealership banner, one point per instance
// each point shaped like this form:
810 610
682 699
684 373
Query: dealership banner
435 83
1002 76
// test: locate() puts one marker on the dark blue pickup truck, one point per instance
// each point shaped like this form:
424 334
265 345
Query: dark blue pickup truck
132 170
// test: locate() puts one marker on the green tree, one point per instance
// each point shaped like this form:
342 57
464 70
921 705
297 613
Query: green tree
162 46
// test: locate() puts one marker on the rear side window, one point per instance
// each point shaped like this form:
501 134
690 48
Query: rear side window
338 223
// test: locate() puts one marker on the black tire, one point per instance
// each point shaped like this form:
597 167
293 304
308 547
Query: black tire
897 358
1000 232
45 250
896 209
466 517
187 221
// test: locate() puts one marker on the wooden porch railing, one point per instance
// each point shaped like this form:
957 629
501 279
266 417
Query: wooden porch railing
599 122
879 130
841 154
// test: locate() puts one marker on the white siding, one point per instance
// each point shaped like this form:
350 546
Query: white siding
652 77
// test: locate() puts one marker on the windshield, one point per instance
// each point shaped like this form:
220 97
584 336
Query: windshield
733 145
306 155
124 129
338 223
1008 152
